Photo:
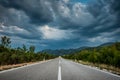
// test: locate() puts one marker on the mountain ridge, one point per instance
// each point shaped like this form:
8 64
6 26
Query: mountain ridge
60 52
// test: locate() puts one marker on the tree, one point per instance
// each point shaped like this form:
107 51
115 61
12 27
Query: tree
14 58
5 41
19 55
24 48
32 49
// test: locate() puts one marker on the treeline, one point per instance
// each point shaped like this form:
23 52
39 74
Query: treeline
19 55
109 55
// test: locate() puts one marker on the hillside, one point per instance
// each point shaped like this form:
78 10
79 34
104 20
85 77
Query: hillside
109 55
60 52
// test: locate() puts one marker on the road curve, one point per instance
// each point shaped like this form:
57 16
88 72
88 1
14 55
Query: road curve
57 69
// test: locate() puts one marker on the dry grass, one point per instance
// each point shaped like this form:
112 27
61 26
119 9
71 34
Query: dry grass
5 67
109 68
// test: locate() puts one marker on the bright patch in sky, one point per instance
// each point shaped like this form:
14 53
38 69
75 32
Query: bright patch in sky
12 29
54 33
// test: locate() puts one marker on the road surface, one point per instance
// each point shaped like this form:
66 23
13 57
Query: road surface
57 69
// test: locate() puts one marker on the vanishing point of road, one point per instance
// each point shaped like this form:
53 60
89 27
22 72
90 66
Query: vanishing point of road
57 69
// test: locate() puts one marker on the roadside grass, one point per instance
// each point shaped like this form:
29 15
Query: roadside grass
5 67
105 67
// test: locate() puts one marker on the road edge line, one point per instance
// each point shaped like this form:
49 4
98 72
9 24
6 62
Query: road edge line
23 66
96 69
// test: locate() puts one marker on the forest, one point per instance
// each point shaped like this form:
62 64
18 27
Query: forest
18 55
109 55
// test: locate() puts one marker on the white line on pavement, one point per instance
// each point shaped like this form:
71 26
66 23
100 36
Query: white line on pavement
59 71
95 69
23 66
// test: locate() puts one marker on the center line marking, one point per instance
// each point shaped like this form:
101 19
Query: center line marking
59 71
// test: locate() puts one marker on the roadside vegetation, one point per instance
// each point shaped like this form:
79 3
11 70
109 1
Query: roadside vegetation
107 57
9 56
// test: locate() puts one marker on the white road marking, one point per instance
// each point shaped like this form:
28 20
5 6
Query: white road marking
23 66
95 69
59 71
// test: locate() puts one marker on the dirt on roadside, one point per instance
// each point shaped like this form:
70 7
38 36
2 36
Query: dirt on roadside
5 67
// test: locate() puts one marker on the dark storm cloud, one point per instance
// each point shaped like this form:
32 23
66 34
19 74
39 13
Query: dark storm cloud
11 16
115 9
63 44
37 10
101 17
105 15
85 22
72 16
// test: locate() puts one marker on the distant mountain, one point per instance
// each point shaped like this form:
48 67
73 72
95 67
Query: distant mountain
108 54
70 51
106 44
62 51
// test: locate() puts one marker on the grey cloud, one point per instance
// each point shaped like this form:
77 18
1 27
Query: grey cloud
72 16
105 20
86 20
37 10
19 32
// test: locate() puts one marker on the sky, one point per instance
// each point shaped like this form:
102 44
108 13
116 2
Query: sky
60 24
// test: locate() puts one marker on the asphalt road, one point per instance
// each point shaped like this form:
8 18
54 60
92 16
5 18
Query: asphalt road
57 69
